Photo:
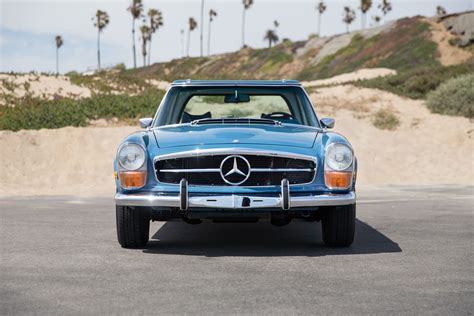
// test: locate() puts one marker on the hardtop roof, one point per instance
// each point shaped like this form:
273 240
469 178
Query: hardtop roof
236 83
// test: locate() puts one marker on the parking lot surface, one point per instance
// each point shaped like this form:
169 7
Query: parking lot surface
413 253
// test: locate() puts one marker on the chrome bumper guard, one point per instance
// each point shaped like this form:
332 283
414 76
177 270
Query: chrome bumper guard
235 201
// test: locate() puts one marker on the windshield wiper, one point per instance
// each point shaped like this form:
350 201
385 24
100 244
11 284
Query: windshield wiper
205 121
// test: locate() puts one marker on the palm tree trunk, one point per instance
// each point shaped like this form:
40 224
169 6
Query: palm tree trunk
182 44
209 39
347 27
189 38
149 50
98 49
243 28
57 61
202 25
133 41
319 24
144 53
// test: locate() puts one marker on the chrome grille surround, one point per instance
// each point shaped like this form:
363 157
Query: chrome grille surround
233 152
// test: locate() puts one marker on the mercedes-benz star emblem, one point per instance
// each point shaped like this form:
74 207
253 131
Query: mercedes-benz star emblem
235 169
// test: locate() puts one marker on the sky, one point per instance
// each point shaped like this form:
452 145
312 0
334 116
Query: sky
28 28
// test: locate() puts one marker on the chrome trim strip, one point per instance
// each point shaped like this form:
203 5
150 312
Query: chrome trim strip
251 170
235 84
190 170
234 201
282 170
233 151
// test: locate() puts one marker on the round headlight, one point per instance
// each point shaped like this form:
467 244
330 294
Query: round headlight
131 157
338 157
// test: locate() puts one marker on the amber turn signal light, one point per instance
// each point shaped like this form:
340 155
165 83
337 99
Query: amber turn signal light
132 179
337 179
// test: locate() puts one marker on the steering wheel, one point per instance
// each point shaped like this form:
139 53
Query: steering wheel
279 115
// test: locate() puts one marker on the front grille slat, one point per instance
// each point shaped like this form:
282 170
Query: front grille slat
206 170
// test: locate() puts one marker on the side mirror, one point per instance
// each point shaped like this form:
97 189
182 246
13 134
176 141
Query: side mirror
328 122
145 122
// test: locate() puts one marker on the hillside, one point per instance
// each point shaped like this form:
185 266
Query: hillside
400 45
414 56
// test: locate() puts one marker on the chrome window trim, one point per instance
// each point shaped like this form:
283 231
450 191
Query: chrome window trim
236 84
313 110
235 151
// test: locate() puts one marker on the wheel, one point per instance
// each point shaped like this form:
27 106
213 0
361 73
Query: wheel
338 225
133 226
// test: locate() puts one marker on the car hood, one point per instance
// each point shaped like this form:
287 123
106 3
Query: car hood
189 135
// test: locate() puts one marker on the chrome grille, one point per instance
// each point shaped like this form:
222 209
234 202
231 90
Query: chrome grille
264 170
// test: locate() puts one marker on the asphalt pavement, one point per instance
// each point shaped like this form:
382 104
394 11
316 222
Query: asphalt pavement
413 253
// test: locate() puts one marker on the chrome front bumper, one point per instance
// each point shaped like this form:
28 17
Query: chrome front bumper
234 201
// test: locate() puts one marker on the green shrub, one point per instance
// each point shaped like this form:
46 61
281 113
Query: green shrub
120 67
455 41
34 113
418 82
385 119
454 97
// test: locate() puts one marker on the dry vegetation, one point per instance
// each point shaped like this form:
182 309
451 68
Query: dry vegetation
382 111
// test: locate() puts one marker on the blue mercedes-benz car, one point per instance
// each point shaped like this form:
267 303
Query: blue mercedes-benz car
235 151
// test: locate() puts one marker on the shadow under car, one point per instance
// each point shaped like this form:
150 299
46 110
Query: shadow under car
299 238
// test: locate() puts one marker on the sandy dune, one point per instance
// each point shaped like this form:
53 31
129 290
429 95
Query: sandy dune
361 74
425 149
59 161
42 86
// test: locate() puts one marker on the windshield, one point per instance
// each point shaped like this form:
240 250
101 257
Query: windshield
188 104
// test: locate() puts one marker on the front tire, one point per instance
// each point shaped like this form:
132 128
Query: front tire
133 226
338 225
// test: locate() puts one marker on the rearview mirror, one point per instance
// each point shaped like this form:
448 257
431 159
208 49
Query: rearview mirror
328 122
236 98
145 122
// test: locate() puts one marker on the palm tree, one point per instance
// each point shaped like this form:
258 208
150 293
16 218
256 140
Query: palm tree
271 37
156 21
247 4
192 27
364 7
135 9
146 36
202 27
276 24
182 42
440 10
348 17
376 19
212 14
321 8
101 20
59 43
385 6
